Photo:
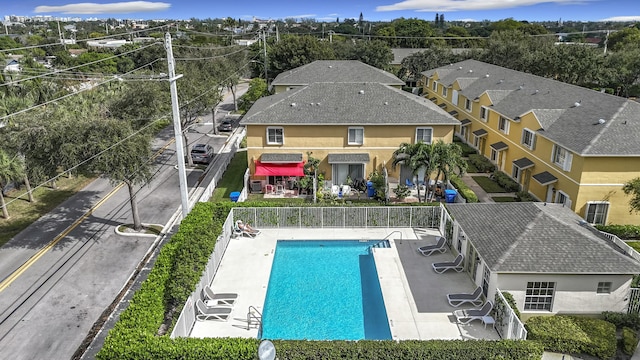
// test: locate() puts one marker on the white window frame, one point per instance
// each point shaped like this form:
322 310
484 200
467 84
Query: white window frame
562 157
476 141
463 132
532 145
516 173
276 142
484 113
445 91
604 288
597 205
562 198
434 85
454 97
430 134
539 295
494 155
468 105
354 141
503 125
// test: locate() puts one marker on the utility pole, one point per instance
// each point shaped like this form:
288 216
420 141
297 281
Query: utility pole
264 46
606 40
64 43
177 128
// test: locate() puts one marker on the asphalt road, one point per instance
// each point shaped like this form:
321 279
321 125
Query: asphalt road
62 272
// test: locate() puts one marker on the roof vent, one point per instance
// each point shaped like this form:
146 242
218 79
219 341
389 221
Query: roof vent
330 66
361 92
459 67
601 121
386 103
293 104
470 70
536 91
521 87
577 103
486 75
500 81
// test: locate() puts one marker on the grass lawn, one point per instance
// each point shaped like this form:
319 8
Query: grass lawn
504 199
233 178
488 185
22 213
634 244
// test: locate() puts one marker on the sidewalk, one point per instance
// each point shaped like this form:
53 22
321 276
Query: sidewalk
482 195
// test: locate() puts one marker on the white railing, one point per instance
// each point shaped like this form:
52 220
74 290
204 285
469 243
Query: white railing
633 306
507 323
623 245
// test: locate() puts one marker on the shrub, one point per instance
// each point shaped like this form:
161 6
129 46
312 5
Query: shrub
523 196
629 340
625 232
481 163
505 181
466 148
463 189
402 191
621 320
512 303
573 334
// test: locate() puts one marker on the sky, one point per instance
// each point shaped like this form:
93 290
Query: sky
329 10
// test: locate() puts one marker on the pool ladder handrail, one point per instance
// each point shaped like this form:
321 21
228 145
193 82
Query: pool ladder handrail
251 316
393 232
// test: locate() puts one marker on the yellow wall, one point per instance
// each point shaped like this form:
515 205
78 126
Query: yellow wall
590 179
379 142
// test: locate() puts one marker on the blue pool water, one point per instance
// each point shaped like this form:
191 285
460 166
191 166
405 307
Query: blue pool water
324 290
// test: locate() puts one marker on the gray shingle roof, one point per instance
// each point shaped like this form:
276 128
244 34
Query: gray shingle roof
346 103
576 128
348 158
523 163
480 132
336 71
281 158
544 178
464 122
498 146
534 237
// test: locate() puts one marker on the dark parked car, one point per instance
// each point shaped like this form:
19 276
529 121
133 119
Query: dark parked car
202 153
226 125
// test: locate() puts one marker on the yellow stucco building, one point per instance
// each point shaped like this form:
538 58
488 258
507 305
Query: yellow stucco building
347 114
562 143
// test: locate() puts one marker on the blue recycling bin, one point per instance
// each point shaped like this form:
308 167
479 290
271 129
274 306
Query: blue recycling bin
450 195
235 196
371 192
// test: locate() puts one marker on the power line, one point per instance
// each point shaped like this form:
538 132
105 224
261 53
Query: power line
210 57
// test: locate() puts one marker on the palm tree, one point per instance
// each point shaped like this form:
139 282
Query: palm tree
415 156
11 168
447 159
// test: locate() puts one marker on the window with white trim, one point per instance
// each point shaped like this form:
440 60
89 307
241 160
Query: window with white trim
434 85
476 141
494 155
445 91
484 113
562 157
275 136
604 287
356 136
516 173
562 198
596 212
539 295
467 104
503 125
528 138
424 134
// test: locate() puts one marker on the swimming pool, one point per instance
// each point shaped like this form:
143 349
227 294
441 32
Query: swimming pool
324 290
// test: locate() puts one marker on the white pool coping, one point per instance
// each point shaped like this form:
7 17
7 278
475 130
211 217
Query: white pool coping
246 267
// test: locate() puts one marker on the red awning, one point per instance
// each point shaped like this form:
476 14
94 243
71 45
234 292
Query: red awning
279 169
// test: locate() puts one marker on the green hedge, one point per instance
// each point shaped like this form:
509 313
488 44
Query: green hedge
464 190
512 303
466 148
505 181
621 320
629 340
624 232
574 335
482 163
176 273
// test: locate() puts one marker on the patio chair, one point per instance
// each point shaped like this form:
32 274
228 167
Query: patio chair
409 183
465 316
474 298
212 313
439 246
238 231
220 299
456 265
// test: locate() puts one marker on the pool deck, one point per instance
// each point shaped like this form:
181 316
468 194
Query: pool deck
414 295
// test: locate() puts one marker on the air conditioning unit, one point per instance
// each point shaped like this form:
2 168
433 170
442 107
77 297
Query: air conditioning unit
256 186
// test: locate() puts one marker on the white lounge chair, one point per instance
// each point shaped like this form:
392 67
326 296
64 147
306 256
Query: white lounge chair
243 232
439 246
212 313
456 265
224 299
468 315
474 298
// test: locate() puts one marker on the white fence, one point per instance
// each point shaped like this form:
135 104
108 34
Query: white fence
507 323
633 306
623 245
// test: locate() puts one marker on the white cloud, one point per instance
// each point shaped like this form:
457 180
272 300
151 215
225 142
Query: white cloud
469 5
110 8
300 16
623 18
465 20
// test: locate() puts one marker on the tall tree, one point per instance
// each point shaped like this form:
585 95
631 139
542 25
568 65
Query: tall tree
632 187
294 51
447 159
416 157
